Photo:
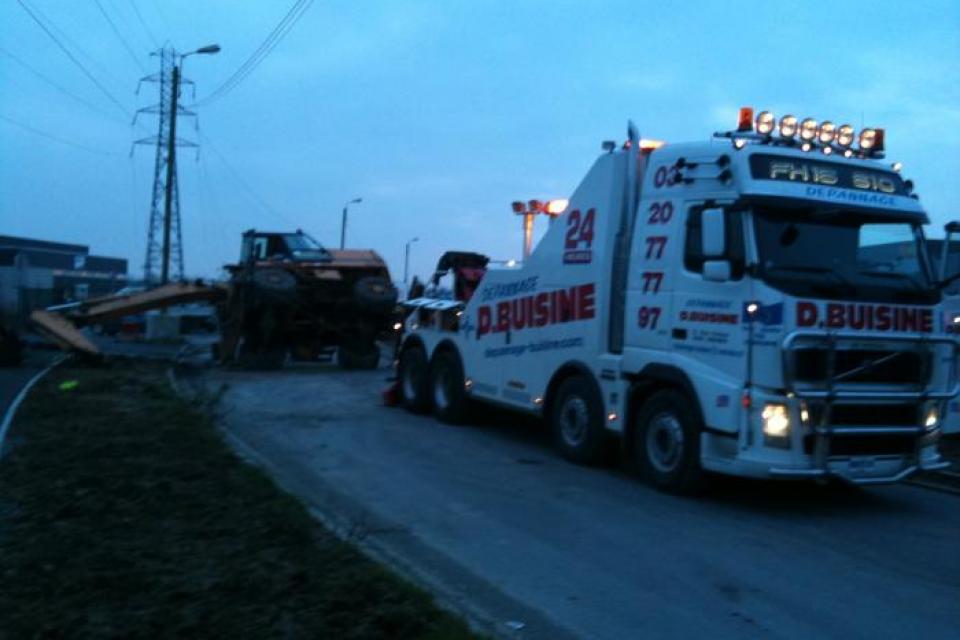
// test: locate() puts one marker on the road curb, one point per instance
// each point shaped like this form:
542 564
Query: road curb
12 409
498 616
486 608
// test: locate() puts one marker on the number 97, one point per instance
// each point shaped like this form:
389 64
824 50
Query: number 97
647 317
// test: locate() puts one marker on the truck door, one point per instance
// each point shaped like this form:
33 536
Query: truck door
709 293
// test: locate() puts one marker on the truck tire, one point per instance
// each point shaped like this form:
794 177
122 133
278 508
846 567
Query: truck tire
576 417
449 395
358 356
414 374
374 294
272 286
666 442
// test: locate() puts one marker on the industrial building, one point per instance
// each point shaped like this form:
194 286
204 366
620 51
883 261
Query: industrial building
40 273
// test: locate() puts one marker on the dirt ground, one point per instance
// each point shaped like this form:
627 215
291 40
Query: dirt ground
123 514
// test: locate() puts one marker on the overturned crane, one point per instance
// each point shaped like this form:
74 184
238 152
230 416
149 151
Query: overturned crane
287 296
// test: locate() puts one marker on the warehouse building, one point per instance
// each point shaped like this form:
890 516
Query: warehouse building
38 273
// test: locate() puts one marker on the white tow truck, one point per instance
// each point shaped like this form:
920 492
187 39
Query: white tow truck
947 256
716 306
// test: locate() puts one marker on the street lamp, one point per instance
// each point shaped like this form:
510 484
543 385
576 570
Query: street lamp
343 221
171 158
406 258
528 210
210 49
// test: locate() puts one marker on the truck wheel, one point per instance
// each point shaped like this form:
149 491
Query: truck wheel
375 294
414 380
450 399
666 442
358 356
577 421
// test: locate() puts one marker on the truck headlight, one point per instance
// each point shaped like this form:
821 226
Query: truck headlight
932 419
776 420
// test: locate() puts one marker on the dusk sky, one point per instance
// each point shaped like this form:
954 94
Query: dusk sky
437 114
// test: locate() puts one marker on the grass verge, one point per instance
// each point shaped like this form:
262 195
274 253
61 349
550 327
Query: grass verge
123 513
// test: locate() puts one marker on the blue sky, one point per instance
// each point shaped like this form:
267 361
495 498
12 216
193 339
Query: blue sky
439 114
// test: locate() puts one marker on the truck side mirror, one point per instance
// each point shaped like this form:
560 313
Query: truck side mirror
950 229
713 234
713 243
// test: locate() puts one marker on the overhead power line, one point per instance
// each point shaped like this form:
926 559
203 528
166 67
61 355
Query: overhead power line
270 42
74 59
241 182
50 136
143 24
123 41
60 88
92 63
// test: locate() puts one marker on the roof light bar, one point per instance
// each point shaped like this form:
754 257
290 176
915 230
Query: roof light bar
808 129
788 126
827 132
809 133
881 133
766 123
845 135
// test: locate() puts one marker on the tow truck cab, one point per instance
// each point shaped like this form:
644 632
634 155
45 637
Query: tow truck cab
716 306
946 255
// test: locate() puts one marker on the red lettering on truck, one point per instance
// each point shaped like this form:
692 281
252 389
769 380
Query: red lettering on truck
483 320
503 316
806 314
541 309
865 317
560 305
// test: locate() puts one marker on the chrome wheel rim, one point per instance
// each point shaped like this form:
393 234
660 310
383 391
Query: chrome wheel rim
665 442
574 420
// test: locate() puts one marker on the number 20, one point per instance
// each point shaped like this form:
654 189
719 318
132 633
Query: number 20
660 213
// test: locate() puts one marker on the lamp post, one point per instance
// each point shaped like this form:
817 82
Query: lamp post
343 221
406 258
528 210
171 158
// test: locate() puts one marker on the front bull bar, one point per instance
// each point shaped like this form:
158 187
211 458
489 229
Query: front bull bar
824 431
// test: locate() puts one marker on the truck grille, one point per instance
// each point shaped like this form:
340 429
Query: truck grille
875 415
867 415
872 445
811 365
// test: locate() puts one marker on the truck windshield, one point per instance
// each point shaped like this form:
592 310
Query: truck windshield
842 255
303 247
935 249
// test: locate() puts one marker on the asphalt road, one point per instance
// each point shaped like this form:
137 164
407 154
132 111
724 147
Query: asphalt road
501 527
